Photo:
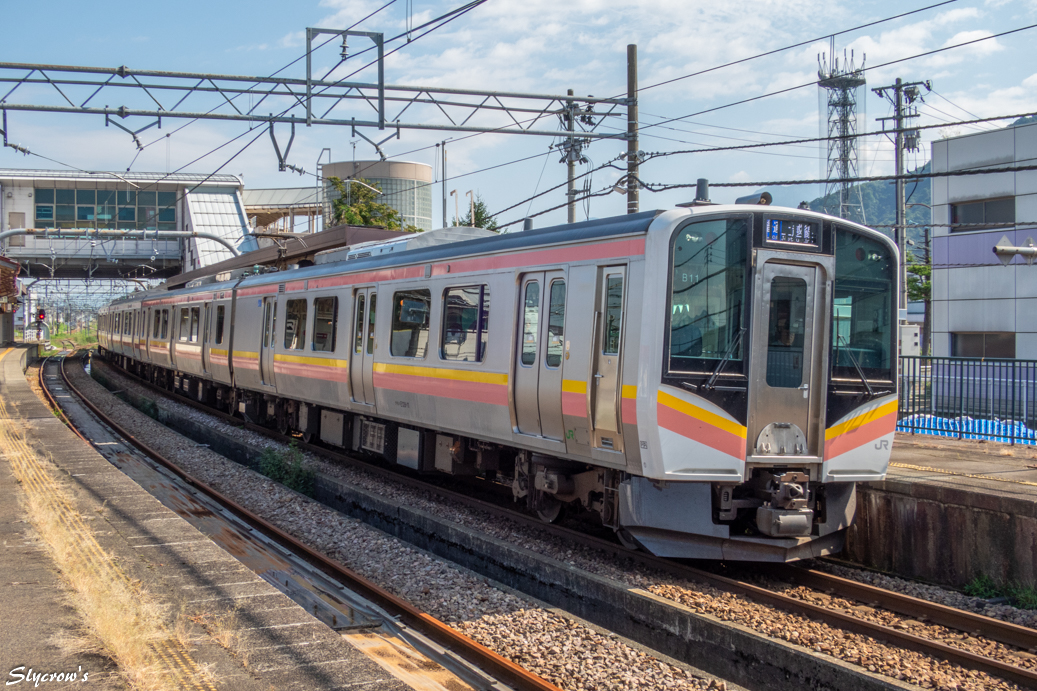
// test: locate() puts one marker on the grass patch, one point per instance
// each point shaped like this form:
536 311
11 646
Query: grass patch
1017 594
119 619
286 467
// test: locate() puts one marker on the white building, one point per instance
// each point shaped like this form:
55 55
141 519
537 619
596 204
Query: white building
49 199
405 186
981 308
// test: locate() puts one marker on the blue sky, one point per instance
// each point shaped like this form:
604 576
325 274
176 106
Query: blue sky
539 46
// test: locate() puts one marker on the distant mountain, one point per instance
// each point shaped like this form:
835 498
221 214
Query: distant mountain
879 203
1029 120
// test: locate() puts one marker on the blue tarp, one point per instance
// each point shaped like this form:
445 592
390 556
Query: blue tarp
969 428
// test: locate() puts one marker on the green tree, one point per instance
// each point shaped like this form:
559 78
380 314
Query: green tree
919 286
358 205
483 219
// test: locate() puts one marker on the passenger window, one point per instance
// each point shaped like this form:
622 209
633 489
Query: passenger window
370 323
219 324
165 324
465 319
295 325
613 314
325 317
157 326
531 323
185 323
194 324
556 325
358 341
410 323
786 332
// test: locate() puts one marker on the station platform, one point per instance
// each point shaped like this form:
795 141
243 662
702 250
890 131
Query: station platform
950 510
158 552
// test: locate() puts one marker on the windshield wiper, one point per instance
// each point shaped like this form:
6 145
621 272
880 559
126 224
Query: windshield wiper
723 361
860 372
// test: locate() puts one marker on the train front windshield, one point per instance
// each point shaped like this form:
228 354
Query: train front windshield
862 324
707 295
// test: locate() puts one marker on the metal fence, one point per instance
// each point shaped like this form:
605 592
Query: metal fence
969 398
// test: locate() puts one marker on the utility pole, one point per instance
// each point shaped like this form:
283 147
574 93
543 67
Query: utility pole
633 153
569 120
444 144
902 96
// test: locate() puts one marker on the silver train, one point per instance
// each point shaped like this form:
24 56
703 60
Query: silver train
710 381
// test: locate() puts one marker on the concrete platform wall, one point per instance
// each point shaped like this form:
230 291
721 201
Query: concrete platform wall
943 535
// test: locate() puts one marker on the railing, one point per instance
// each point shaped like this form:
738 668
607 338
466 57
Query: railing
969 398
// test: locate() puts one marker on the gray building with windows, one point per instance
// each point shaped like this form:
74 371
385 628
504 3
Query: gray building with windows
981 308
48 199
406 187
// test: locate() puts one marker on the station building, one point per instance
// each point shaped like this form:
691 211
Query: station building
47 199
980 307
406 187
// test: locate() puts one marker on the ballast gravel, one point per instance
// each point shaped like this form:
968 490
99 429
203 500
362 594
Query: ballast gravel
908 666
562 651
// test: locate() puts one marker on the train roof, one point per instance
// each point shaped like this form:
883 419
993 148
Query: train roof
574 232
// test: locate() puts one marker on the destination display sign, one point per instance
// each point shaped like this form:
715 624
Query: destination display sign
796 232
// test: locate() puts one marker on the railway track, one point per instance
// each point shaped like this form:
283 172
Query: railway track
430 630
915 609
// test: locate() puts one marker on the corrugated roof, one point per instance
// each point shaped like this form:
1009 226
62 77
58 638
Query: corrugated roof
105 176
280 198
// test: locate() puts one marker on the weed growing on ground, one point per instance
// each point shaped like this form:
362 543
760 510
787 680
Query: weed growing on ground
149 408
1018 595
286 467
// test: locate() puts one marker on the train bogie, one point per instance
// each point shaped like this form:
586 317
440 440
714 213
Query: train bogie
709 382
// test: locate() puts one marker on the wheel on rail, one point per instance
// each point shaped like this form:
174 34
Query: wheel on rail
308 436
627 540
281 422
232 402
549 509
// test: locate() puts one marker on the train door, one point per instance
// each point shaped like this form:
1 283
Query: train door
606 427
206 318
787 338
268 341
538 355
361 357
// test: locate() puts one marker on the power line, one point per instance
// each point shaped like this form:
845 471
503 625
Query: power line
813 83
659 154
876 178
795 45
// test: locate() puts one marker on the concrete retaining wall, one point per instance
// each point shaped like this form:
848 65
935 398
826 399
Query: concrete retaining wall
943 534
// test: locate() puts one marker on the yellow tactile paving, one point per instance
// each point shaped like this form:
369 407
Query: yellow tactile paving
174 659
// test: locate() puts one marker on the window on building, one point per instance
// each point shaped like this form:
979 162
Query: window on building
410 319
295 325
465 320
105 209
987 213
984 345
325 318
219 324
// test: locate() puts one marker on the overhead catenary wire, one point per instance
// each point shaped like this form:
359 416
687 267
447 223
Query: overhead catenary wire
864 69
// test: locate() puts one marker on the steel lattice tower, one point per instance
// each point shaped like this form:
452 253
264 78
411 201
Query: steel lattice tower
840 85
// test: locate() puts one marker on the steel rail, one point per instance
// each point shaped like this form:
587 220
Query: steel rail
472 651
923 610
760 594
